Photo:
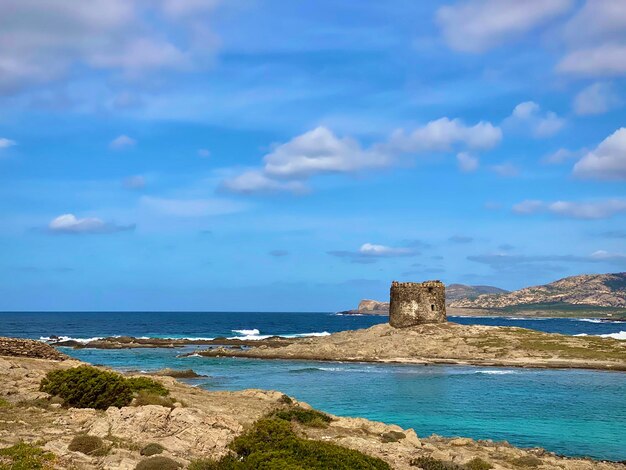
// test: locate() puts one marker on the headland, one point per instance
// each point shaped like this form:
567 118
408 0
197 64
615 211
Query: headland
194 425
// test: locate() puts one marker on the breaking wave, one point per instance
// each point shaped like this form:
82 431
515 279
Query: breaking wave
621 335
49 339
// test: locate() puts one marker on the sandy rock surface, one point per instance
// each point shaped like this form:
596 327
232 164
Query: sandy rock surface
450 343
209 421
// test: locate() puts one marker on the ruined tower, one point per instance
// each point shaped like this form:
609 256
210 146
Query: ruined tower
414 303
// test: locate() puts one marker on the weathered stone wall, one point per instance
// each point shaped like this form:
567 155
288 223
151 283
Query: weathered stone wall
413 303
29 348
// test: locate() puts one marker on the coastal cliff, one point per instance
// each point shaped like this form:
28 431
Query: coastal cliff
202 424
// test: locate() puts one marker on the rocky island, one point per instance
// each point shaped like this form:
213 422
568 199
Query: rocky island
186 427
418 333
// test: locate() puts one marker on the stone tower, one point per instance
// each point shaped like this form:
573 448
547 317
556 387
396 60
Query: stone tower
414 303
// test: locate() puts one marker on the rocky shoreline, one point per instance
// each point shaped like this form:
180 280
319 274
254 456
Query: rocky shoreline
447 343
201 424
131 342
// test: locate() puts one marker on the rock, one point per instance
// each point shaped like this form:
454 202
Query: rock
461 441
18 347
178 374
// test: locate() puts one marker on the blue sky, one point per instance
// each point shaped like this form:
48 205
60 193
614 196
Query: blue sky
271 155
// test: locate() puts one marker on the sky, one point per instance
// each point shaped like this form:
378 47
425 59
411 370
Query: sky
265 155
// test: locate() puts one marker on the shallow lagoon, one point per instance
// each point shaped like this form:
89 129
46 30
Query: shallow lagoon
572 412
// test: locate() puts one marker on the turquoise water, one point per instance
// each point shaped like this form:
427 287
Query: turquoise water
576 413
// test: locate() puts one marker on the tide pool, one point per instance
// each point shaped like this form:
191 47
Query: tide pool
571 412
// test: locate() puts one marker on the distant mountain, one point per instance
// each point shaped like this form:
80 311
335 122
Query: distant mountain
600 290
461 291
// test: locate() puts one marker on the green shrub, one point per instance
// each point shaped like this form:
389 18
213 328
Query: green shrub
303 416
88 445
88 387
208 464
272 444
392 436
4 403
478 464
152 449
285 399
148 398
158 463
24 456
147 384
428 463
527 461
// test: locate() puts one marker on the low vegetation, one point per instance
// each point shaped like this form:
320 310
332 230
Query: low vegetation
272 444
4 403
147 384
478 464
88 445
158 463
148 398
527 461
429 463
392 436
151 449
24 456
90 387
301 415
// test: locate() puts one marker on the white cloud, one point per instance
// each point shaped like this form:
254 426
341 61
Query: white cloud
46 40
121 142
528 115
370 253
442 134
560 156
134 182
139 55
478 25
320 151
603 255
529 207
191 207
603 209
370 249
605 60
597 98
179 8
596 38
6 143
467 163
255 181
69 223
607 161
505 170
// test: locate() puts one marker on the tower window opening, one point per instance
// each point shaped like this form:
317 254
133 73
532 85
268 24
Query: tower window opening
432 307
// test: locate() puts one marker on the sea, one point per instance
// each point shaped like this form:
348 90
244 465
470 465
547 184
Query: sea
570 412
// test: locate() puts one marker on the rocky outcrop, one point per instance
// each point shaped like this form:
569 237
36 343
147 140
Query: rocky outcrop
208 423
131 342
450 343
18 347
600 290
